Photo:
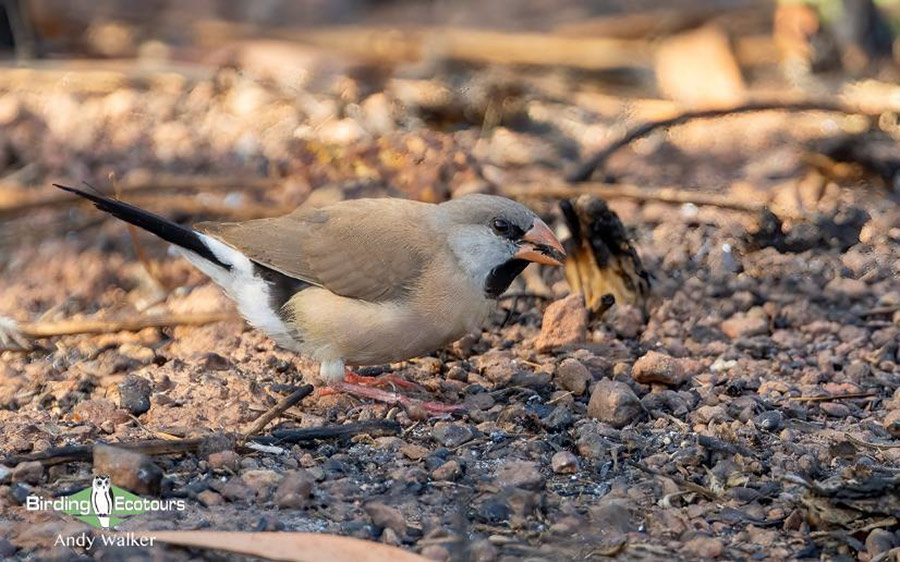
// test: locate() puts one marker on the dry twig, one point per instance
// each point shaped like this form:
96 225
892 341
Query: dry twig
16 201
830 398
866 444
288 401
380 426
672 195
677 479
82 453
72 453
584 171
35 330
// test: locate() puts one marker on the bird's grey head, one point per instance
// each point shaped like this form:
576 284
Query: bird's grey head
495 238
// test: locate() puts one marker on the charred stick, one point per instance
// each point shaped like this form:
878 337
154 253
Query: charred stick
287 402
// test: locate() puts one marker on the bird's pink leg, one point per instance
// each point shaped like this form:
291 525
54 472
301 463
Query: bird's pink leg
362 391
389 379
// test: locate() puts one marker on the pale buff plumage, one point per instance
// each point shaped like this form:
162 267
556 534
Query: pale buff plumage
363 282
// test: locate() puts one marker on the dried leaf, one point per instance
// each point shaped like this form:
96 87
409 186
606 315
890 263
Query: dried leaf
601 259
289 547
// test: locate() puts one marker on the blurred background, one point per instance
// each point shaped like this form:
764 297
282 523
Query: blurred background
320 93
237 109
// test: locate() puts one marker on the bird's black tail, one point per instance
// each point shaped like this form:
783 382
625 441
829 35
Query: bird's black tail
164 228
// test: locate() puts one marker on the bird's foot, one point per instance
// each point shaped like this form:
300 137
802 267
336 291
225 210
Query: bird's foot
390 379
363 391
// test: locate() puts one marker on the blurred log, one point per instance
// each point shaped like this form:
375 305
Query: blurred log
15 199
90 326
567 47
99 76
192 206
398 46
660 22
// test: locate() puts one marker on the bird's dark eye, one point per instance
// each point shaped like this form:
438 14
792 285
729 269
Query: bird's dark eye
500 226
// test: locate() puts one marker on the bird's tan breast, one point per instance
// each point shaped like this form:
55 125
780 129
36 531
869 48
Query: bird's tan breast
441 307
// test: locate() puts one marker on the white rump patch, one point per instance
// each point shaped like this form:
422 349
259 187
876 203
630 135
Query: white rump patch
251 293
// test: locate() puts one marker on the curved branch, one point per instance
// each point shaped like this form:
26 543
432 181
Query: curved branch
587 169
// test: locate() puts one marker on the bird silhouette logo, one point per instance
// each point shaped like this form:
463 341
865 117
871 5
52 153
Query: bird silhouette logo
102 499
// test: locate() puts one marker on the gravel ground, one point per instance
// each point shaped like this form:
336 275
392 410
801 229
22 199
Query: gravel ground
752 414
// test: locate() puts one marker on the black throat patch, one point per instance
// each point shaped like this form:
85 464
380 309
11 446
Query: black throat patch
499 279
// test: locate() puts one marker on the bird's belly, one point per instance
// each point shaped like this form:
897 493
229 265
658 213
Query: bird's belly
364 333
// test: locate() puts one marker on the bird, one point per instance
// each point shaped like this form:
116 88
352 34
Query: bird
362 282
101 499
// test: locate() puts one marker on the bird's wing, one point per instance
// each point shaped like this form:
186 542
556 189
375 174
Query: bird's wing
370 249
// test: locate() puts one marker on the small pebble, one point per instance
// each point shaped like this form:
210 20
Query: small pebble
386 516
771 421
225 460
414 452
835 409
573 376
209 498
28 472
655 367
891 423
483 551
879 541
236 490
520 474
565 323
754 322
134 394
564 462
703 547
95 412
451 434
20 492
436 552
448 471
7 549
128 469
614 402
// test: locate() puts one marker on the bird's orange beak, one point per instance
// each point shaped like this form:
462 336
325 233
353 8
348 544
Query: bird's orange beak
541 246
